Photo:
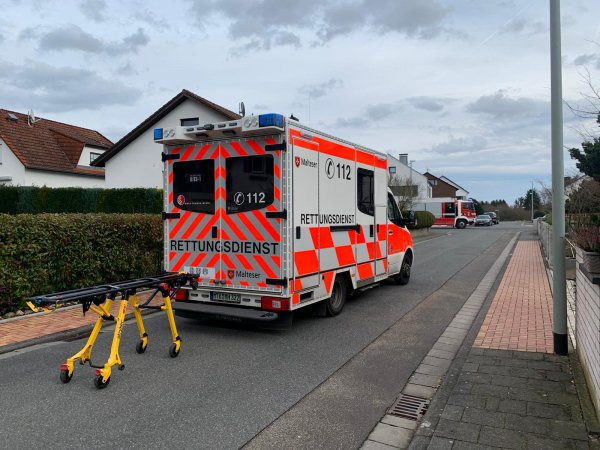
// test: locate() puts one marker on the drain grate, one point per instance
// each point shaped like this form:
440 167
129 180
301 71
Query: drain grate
409 407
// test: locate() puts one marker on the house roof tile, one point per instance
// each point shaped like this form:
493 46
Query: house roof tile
47 144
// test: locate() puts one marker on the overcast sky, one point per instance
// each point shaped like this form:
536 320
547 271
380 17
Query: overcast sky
462 86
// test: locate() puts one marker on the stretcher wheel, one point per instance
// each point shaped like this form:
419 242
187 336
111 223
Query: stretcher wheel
65 377
99 383
140 347
173 351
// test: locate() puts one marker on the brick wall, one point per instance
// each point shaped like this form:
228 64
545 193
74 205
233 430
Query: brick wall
588 331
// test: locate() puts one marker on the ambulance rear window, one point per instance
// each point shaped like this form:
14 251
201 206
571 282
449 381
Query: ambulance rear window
365 192
250 183
194 185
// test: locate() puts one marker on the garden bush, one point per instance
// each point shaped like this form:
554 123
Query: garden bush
46 253
38 200
424 219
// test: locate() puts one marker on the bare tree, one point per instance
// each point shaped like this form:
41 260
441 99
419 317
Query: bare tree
404 191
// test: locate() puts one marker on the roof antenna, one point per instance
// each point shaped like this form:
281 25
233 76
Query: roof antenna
293 118
31 119
242 109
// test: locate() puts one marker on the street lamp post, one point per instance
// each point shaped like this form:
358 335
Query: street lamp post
532 201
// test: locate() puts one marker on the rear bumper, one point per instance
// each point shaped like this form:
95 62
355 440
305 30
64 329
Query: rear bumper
223 311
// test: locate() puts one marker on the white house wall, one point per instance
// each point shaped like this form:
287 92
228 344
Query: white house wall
139 164
11 169
84 159
404 173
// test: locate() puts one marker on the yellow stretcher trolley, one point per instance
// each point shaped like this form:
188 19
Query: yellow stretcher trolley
99 300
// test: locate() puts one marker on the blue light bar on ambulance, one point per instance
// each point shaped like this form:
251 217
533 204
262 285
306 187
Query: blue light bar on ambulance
270 120
158 133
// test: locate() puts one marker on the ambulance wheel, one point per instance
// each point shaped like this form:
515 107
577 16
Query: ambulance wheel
99 383
404 276
461 224
140 347
173 351
65 377
335 303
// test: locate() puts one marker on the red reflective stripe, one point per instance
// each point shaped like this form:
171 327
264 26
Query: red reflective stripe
181 261
244 283
256 147
277 171
241 236
198 259
265 267
321 237
223 235
170 177
244 261
212 261
262 284
219 172
186 154
170 201
228 261
224 152
215 154
220 193
385 265
277 260
371 249
297 285
295 299
267 226
192 227
277 193
204 231
238 148
250 227
328 281
184 217
172 255
202 152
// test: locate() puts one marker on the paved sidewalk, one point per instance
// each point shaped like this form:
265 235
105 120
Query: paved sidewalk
503 388
27 330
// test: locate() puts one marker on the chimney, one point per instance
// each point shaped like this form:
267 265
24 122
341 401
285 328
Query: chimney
403 158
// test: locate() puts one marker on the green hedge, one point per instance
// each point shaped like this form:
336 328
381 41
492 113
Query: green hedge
46 253
424 219
37 200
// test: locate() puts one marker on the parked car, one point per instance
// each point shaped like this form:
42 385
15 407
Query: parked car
483 220
494 217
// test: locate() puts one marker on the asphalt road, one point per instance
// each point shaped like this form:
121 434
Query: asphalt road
324 383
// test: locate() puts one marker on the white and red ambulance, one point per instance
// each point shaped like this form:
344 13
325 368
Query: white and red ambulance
273 216
448 211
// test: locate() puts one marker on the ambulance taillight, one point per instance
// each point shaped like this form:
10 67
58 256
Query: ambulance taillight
275 303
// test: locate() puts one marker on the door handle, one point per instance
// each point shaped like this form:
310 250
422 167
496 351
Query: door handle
390 231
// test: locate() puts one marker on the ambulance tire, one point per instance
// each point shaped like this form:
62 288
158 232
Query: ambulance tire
461 224
404 276
335 303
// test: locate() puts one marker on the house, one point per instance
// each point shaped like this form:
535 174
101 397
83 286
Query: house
461 193
135 160
439 187
41 152
404 181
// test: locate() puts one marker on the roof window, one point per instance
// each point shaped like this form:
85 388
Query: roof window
11 116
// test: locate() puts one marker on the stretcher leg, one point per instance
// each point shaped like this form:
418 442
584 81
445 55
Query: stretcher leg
103 375
143 343
175 347
85 354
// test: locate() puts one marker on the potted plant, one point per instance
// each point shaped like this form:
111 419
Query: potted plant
587 238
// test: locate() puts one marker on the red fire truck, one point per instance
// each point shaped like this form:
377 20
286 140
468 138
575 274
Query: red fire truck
448 211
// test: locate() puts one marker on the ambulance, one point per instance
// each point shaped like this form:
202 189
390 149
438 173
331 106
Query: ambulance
448 211
273 216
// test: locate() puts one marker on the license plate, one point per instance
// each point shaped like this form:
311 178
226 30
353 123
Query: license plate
229 297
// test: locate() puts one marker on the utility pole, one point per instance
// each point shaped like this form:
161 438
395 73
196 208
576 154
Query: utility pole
532 201
559 282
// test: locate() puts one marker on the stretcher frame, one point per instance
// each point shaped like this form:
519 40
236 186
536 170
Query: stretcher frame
99 300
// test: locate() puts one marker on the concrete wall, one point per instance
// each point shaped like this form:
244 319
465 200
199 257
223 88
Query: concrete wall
139 164
588 330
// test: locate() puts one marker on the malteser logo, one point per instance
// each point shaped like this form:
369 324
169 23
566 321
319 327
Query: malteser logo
230 274
297 161
181 199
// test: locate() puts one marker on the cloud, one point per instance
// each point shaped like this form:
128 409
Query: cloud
426 103
149 18
72 37
470 145
525 26
268 23
321 89
57 89
499 106
126 69
94 10
373 115
587 59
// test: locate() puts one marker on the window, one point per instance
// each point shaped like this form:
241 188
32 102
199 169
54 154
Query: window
194 185
94 156
190 122
366 192
449 208
250 183
392 169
